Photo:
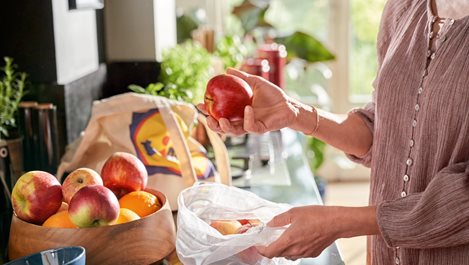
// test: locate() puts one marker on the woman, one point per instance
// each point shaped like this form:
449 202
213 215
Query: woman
414 135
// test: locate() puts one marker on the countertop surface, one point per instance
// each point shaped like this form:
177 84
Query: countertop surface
302 189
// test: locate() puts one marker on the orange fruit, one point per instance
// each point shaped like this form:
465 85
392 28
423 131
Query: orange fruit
126 215
60 219
141 202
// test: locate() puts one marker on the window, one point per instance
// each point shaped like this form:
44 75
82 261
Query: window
365 17
353 28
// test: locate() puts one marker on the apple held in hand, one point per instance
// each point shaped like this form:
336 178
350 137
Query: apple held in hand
93 205
226 96
124 173
36 196
78 179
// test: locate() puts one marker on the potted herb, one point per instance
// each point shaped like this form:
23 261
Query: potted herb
12 87
185 69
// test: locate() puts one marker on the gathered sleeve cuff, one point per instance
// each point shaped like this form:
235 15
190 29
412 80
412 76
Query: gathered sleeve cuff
436 217
367 116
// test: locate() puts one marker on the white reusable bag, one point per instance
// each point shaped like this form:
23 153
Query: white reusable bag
197 243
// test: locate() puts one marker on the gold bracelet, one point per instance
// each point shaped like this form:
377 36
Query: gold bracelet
317 121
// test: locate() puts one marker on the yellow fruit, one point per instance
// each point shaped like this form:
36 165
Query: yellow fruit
141 202
126 215
60 219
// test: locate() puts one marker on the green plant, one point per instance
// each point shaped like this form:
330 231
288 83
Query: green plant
316 150
185 69
231 50
299 44
12 89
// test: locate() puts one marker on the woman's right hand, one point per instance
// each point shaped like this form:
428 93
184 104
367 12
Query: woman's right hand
271 109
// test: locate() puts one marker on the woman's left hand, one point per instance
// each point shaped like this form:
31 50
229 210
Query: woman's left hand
314 228
310 232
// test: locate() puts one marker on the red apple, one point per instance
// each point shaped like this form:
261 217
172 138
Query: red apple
78 179
247 224
226 227
244 228
36 196
226 96
93 205
124 173
253 222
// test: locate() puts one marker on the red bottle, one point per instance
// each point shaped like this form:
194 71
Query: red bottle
276 55
257 66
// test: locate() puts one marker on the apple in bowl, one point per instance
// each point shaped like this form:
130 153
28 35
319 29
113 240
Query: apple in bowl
226 96
78 179
123 173
93 206
36 196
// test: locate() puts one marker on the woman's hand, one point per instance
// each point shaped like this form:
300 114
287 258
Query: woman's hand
313 228
271 109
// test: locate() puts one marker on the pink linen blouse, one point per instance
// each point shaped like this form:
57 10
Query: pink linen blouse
419 159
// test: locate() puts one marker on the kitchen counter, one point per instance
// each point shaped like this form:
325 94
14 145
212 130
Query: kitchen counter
301 191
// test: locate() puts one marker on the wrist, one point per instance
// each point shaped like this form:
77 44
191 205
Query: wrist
357 221
306 119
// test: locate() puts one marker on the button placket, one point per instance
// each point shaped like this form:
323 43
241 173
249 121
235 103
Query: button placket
409 162
430 55
406 178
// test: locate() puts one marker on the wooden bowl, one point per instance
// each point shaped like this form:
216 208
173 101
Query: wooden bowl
144 241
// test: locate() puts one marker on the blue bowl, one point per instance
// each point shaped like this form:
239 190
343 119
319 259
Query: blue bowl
56 256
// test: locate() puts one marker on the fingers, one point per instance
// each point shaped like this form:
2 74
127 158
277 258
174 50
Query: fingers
238 73
292 258
277 248
224 126
213 124
234 128
250 123
281 219
202 108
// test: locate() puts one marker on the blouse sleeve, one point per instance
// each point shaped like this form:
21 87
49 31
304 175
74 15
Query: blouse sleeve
393 10
436 217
